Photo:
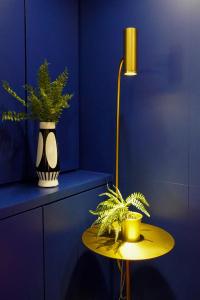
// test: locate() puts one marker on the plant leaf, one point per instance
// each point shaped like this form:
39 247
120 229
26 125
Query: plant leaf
141 197
10 91
14 116
131 200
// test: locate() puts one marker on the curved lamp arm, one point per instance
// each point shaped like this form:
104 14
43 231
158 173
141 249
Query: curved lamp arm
129 61
118 124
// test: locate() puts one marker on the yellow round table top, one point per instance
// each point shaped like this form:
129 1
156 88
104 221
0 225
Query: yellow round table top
154 242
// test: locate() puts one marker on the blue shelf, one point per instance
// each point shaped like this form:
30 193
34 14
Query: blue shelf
20 197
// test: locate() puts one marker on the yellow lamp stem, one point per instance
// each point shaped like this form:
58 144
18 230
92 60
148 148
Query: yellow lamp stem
117 125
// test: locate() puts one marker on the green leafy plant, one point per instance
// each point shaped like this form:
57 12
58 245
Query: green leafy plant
112 211
46 102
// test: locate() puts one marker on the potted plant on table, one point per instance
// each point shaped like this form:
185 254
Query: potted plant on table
114 214
45 103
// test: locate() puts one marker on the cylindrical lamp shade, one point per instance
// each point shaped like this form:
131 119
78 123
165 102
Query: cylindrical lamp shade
130 51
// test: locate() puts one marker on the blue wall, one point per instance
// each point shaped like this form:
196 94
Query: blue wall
12 68
31 31
160 124
52 33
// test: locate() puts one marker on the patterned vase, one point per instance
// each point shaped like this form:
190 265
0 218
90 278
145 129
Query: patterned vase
47 163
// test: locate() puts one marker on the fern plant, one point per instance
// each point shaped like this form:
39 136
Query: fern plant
112 211
46 102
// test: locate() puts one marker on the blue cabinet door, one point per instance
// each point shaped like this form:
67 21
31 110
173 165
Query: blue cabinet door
21 267
72 271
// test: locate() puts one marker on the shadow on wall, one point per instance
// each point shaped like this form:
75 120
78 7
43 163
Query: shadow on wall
150 284
87 281
175 66
16 158
12 152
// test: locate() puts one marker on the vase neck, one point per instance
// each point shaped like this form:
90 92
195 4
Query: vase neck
47 125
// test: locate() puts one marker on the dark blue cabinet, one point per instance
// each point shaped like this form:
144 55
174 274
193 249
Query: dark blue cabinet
41 253
73 272
21 256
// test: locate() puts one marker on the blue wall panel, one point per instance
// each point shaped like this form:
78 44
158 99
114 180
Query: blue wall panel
12 69
160 145
159 91
31 31
52 33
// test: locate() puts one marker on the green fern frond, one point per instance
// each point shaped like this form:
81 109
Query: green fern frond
110 196
111 216
46 102
61 81
10 91
100 218
112 191
44 80
131 200
14 116
141 197
117 229
116 193
107 204
35 105
93 212
98 212
96 222
119 194
65 100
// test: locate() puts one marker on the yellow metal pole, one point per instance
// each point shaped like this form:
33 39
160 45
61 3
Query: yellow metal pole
118 124
128 279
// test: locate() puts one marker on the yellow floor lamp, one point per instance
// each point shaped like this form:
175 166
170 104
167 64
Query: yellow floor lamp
129 65
156 241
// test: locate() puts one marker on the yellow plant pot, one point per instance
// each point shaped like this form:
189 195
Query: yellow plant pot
131 228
